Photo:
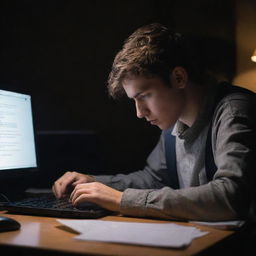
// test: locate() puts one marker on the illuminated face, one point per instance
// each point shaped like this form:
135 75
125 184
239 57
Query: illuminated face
158 104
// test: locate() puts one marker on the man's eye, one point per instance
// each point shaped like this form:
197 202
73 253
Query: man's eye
144 96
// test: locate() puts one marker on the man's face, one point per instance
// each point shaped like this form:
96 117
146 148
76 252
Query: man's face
158 104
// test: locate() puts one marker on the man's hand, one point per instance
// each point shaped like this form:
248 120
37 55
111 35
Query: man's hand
65 184
98 193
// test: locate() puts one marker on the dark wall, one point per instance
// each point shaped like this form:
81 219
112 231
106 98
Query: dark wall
61 52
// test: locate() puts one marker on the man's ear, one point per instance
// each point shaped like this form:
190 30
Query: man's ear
179 77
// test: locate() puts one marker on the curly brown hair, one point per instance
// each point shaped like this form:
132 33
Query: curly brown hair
151 51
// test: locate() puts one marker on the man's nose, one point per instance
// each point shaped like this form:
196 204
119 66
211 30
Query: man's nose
141 110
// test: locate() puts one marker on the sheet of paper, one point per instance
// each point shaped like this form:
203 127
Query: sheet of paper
227 225
149 234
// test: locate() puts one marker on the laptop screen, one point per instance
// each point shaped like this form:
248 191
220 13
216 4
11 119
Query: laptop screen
17 143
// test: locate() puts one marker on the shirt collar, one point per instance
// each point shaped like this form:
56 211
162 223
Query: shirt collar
182 131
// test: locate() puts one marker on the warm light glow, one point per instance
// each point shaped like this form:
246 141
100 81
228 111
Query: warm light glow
253 58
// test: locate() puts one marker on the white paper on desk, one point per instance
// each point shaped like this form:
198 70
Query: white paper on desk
150 234
226 225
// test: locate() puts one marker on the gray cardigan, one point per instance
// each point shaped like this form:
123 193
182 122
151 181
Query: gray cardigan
147 192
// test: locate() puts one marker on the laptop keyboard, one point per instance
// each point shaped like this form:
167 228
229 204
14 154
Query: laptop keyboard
48 205
46 202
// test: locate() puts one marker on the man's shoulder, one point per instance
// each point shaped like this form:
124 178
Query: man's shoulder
226 89
235 100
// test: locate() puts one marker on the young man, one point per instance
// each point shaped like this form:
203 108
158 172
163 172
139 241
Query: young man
202 166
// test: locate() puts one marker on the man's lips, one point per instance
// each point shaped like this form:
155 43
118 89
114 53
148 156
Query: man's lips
153 121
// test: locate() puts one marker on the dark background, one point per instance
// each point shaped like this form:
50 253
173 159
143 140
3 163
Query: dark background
61 52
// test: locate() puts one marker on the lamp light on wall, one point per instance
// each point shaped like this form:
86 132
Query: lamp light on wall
253 58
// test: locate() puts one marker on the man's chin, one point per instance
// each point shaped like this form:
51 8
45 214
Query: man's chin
164 127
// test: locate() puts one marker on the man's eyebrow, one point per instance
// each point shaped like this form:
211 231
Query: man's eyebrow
137 94
142 90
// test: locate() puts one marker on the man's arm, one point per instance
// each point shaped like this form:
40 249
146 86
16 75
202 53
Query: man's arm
154 175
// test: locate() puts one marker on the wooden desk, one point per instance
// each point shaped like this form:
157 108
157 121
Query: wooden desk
43 233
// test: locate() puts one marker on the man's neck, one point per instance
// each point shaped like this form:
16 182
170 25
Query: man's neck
195 96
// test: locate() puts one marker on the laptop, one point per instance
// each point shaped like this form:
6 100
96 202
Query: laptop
19 163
